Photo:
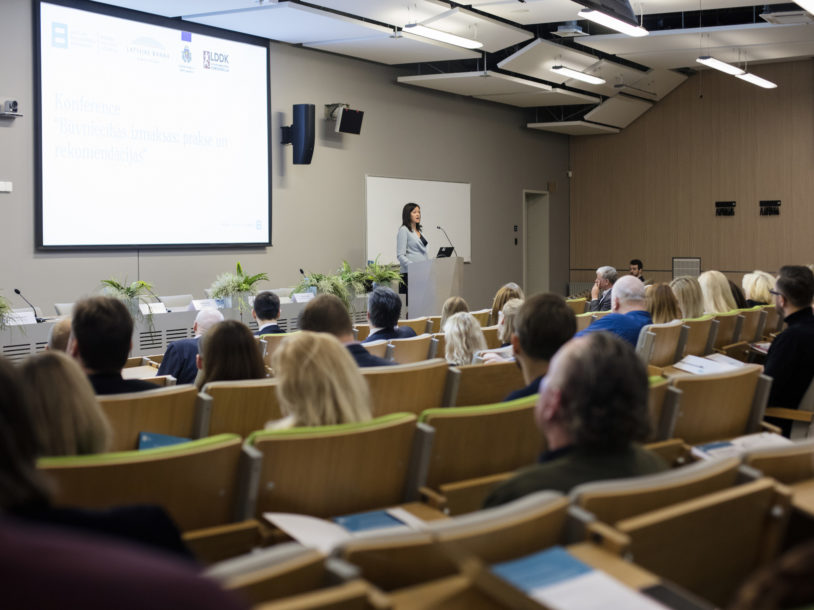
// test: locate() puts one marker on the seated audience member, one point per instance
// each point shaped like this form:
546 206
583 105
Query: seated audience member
319 383
326 313
66 415
737 295
101 338
25 491
463 338
601 291
662 303
229 352
52 569
59 334
383 311
452 306
505 329
690 298
266 311
629 311
180 359
717 294
790 361
636 269
543 325
592 412
504 294
757 288
786 582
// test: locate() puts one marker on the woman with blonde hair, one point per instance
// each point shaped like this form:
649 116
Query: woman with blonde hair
463 338
452 306
503 295
717 293
757 287
662 303
319 382
690 298
67 417
505 322
229 352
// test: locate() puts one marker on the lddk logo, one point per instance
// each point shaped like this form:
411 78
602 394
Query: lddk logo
207 58
216 61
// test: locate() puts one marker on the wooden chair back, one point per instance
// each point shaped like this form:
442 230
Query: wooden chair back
709 545
773 320
326 471
409 388
462 433
578 306
241 407
729 328
482 316
599 314
700 335
393 561
720 406
754 323
789 464
662 403
153 360
490 334
584 320
612 501
483 384
162 381
174 410
377 348
414 349
272 343
419 325
362 331
441 346
661 344
200 484
433 324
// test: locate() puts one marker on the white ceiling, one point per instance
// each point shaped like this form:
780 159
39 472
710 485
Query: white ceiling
369 29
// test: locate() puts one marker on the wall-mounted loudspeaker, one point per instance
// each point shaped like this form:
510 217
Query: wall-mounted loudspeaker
301 134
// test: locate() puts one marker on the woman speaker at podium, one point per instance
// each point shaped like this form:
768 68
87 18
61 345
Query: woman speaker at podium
411 245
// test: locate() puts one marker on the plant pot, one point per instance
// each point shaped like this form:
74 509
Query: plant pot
133 306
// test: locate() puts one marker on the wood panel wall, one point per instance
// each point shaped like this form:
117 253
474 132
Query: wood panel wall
649 192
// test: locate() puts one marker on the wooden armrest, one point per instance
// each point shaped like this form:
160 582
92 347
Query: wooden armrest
674 451
429 496
792 414
654 371
213 544
468 496
767 427
608 538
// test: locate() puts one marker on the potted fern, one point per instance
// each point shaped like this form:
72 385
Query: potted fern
324 283
132 294
382 274
234 288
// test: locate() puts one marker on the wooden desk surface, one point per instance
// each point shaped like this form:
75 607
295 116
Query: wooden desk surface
139 372
423 511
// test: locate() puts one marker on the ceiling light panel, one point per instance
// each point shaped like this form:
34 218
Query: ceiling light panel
292 23
495 35
555 97
532 11
403 49
537 58
392 12
179 8
474 83
574 128
619 111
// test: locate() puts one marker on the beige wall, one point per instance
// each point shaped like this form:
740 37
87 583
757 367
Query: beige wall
318 210
649 192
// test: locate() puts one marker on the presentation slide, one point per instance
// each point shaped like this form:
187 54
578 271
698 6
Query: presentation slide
151 136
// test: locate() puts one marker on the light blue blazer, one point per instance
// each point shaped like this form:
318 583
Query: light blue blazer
409 248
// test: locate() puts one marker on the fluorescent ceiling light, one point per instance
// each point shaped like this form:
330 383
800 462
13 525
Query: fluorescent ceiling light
612 22
808 5
719 65
756 80
571 73
458 41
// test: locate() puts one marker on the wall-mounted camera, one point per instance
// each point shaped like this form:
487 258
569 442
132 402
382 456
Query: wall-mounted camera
10 106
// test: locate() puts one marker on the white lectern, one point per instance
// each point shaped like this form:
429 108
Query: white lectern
432 282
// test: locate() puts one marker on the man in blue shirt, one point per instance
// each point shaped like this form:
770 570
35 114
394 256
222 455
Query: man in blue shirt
629 311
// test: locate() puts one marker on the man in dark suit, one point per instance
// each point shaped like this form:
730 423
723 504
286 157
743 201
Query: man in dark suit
383 311
101 339
601 291
327 314
266 310
179 359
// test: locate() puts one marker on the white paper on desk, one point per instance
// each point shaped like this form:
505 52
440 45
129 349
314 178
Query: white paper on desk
724 359
593 591
740 445
702 366
148 308
21 318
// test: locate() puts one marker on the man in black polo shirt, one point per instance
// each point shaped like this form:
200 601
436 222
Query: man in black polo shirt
790 361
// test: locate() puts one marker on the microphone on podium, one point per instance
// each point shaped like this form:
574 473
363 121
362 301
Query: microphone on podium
447 236
34 309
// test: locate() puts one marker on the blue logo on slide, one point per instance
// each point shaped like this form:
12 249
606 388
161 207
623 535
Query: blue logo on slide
59 35
186 54
186 36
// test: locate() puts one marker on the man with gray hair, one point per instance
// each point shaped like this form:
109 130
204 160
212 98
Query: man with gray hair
179 359
601 292
629 311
